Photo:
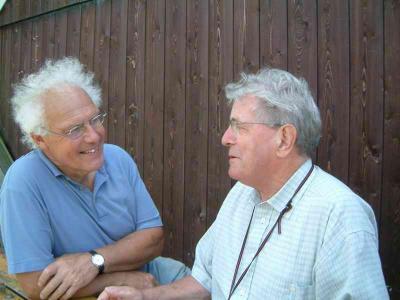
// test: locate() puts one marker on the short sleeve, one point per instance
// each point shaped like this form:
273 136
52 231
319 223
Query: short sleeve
350 268
202 268
25 227
144 210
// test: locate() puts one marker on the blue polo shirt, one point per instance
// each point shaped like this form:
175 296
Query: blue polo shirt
44 214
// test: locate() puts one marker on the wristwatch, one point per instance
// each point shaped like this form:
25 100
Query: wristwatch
97 260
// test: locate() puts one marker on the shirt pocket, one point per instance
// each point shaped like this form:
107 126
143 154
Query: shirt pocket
303 292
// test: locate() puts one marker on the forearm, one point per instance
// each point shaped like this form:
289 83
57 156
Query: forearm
133 251
186 288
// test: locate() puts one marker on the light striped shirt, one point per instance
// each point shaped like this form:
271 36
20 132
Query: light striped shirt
328 247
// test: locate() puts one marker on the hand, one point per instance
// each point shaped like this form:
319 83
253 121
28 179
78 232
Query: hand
139 280
62 278
121 293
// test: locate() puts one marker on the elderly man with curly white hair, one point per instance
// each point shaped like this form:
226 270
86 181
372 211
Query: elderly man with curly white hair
75 213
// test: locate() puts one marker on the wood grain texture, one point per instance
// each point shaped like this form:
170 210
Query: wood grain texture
333 87
246 45
196 125
220 73
154 100
366 110
390 200
88 23
174 128
117 75
303 41
73 31
101 60
274 34
60 34
135 80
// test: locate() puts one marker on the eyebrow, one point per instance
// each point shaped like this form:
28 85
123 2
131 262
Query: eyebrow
82 122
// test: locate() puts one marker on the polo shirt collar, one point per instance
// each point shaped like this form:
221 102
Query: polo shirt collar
101 174
280 199
52 167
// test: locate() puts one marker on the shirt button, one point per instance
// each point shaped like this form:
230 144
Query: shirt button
292 288
263 220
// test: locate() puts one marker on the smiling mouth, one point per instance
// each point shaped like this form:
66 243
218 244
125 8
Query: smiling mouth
91 151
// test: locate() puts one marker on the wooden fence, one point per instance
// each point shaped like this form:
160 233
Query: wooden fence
162 65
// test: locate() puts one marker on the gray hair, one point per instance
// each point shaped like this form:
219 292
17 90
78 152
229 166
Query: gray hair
283 99
27 98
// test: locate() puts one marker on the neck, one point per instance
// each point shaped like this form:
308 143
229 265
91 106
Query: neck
272 183
87 180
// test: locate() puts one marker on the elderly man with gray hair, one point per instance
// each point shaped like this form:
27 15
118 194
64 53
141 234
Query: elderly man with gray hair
287 229
75 214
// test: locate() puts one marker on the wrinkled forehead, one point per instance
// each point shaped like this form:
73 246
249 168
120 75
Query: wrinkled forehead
245 106
67 102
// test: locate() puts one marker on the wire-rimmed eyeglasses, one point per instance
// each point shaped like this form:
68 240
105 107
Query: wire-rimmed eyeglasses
237 125
78 130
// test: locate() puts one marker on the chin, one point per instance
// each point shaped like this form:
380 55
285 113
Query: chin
234 175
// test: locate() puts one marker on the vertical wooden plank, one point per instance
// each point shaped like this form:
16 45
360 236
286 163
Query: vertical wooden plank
6 88
174 128
16 10
135 81
246 48
25 9
36 7
60 34
3 110
220 73
48 40
117 79
196 126
333 86
303 41
102 49
14 77
73 31
274 34
154 100
366 123
37 44
87 34
25 64
390 201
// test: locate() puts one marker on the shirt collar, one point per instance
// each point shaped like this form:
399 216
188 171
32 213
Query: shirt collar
279 200
101 174
50 165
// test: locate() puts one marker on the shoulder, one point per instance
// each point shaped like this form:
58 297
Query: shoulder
116 159
27 168
116 154
341 207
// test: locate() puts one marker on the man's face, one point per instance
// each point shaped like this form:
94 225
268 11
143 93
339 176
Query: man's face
252 147
78 157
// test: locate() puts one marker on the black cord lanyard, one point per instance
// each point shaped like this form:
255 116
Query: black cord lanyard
278 222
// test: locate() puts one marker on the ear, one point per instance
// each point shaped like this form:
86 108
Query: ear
287 136
39 140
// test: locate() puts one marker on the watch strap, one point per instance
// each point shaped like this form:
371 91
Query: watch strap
100 267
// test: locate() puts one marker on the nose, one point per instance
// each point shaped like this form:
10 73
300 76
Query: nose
229 137
92 133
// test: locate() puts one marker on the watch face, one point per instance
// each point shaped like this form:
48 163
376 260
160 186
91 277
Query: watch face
98 260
